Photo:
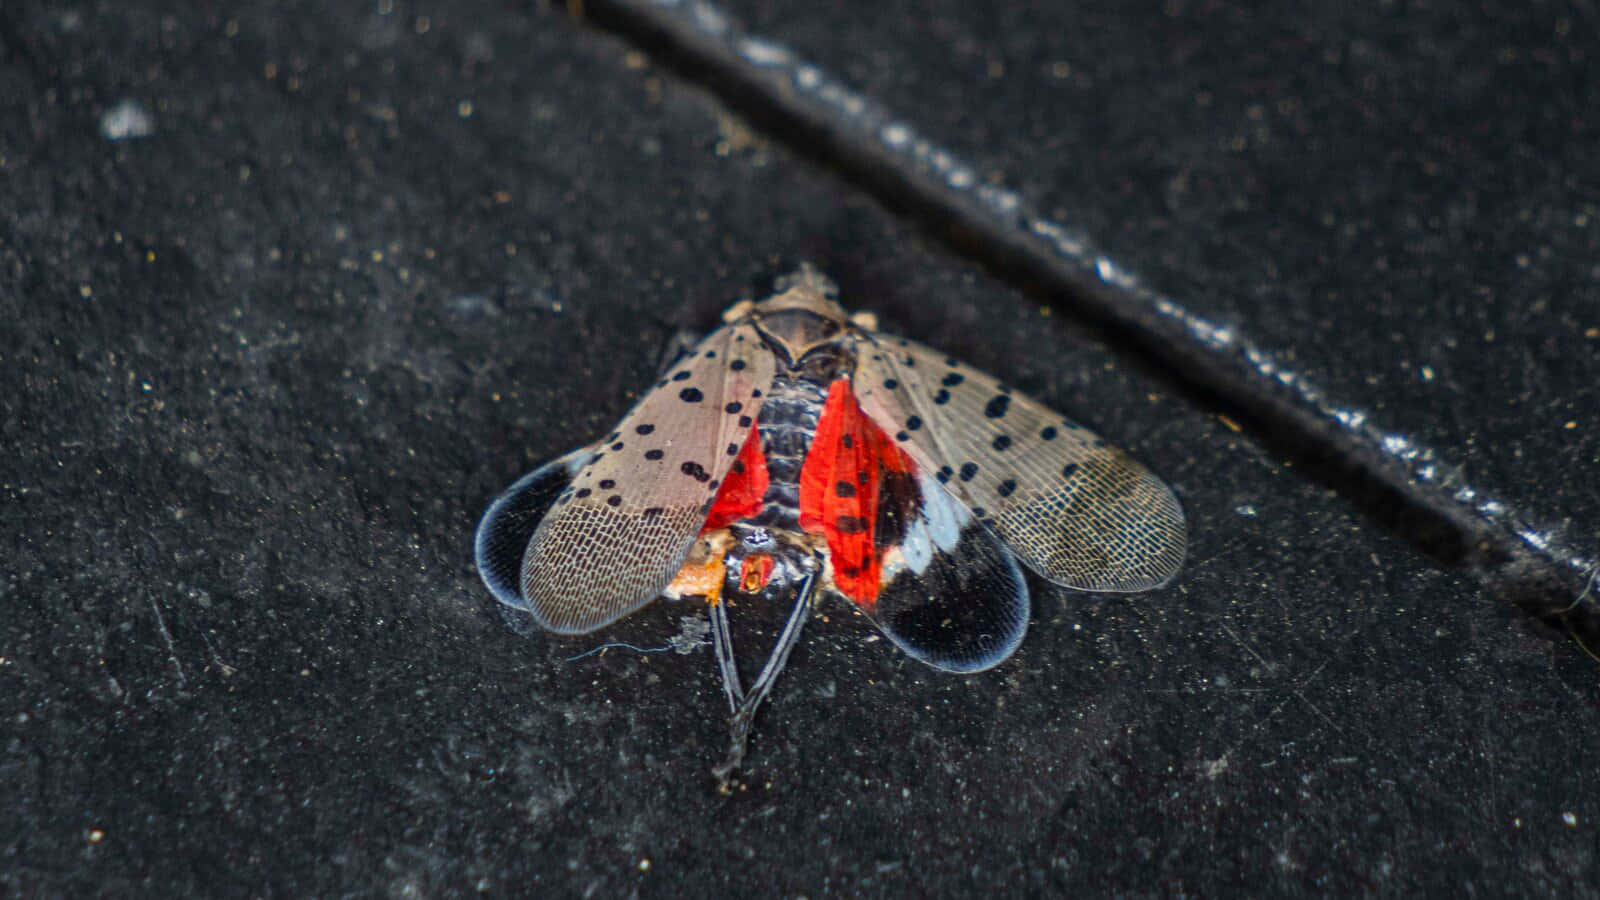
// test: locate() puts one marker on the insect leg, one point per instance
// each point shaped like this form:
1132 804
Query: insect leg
744 713
722 640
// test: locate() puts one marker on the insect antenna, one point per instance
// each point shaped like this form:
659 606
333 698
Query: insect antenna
744 705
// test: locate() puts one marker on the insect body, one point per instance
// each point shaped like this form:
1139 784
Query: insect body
798 452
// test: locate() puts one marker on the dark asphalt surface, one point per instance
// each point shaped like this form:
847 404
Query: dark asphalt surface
288 293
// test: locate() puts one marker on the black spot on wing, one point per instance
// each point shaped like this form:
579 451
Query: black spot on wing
691 395
643 429
653 454
997 406
899 504
968 470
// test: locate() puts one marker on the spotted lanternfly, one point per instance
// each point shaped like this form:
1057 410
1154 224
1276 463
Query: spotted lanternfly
797 452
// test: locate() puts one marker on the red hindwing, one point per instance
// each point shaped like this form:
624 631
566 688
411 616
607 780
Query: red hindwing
742 490
840 486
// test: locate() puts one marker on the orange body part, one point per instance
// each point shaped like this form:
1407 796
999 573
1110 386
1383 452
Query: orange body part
699 579
755 571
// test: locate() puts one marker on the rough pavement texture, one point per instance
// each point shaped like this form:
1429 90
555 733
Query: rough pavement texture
287 294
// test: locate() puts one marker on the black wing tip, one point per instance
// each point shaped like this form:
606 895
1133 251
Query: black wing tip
984 585
968 663
502 536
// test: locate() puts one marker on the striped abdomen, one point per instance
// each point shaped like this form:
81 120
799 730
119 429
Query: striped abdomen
787 425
